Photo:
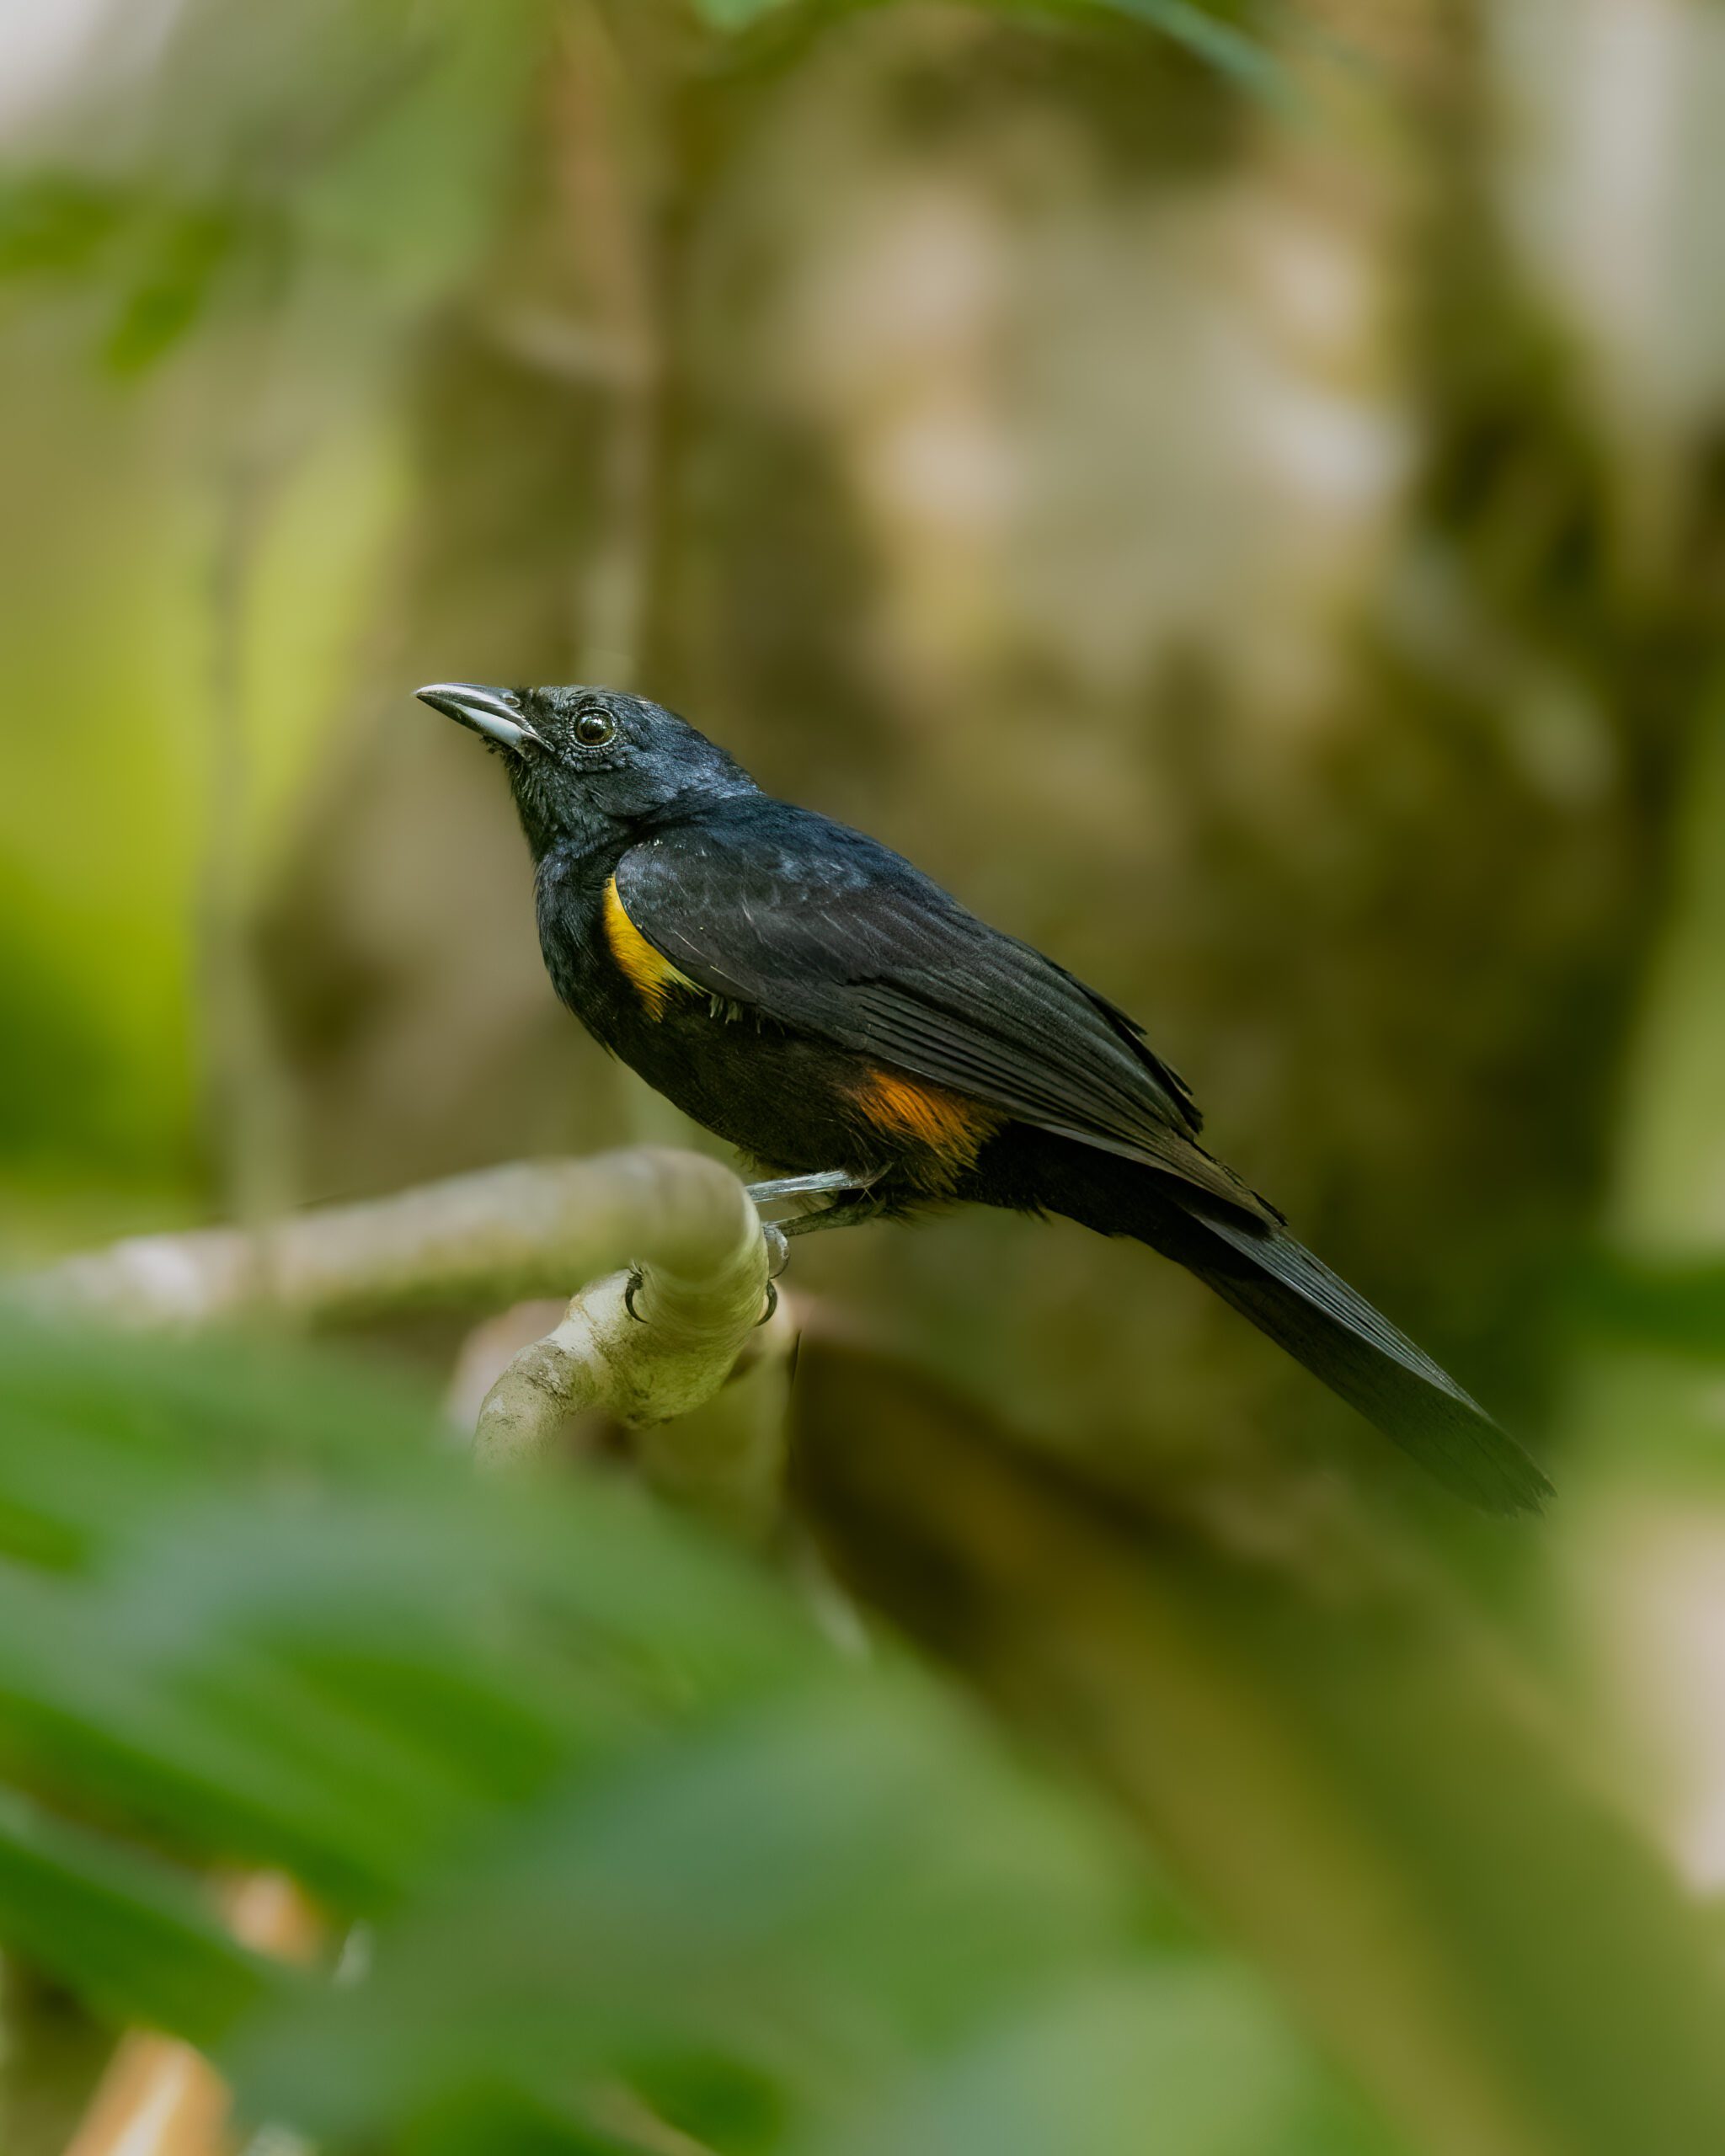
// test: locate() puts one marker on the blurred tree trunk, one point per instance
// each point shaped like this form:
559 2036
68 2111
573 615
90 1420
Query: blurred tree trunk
1060 469
1227 582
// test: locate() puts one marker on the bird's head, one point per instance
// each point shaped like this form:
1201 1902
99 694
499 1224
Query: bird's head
586 763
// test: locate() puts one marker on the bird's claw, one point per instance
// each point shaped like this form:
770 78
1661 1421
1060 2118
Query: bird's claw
778 1255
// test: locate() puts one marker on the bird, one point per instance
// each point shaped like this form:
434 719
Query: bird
822 1005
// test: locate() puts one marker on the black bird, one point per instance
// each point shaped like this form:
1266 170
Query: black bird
818 1001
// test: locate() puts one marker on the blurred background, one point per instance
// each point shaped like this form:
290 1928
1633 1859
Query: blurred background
1238 494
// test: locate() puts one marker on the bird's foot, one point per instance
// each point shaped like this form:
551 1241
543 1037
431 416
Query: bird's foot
850 1203
848 1190
778 1255
846 1213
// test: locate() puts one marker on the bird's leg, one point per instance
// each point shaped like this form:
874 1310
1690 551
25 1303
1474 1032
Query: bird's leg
850 1202
846 1211
849 1213
825 1179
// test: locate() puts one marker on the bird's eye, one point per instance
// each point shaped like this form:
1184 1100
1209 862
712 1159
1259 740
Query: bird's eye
594 729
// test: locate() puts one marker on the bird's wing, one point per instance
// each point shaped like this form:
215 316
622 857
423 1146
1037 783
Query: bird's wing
822 930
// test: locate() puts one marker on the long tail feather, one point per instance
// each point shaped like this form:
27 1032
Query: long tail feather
1259 1268
1287 1292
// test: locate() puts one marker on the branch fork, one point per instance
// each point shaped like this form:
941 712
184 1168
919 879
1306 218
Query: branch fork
682 1225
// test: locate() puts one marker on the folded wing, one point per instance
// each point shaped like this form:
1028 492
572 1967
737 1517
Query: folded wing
820 929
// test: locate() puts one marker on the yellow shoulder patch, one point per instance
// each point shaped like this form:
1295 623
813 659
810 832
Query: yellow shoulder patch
650 972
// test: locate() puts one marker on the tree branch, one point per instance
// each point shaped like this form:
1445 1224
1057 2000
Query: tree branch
700 1297
496 1237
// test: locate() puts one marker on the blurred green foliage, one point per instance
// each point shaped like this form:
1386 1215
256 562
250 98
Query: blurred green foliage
613 1813
319 328
1212 32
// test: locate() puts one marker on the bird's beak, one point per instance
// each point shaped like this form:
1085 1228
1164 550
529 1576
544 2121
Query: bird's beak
494 713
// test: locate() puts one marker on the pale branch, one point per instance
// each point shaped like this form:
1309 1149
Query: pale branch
698 1303
498 1236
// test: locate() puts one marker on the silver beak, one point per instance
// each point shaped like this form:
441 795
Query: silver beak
494 713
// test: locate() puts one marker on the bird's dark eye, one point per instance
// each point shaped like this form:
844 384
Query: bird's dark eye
594 729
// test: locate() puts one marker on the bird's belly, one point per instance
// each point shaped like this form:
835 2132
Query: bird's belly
786 1100
793 1102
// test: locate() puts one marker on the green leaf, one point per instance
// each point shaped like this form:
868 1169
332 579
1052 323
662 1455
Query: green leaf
817 1892
169 257
55 224
1211 35
1185 2057
141 1942
624 1827
1676 1304
274 1628
173 292
737 14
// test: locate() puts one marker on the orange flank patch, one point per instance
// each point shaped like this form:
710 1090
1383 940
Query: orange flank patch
950 1126
652 974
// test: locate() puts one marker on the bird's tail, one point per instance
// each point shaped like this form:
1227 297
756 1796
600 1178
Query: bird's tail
1268 1276
1304 1307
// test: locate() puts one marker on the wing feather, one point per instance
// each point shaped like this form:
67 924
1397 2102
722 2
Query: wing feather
823 930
